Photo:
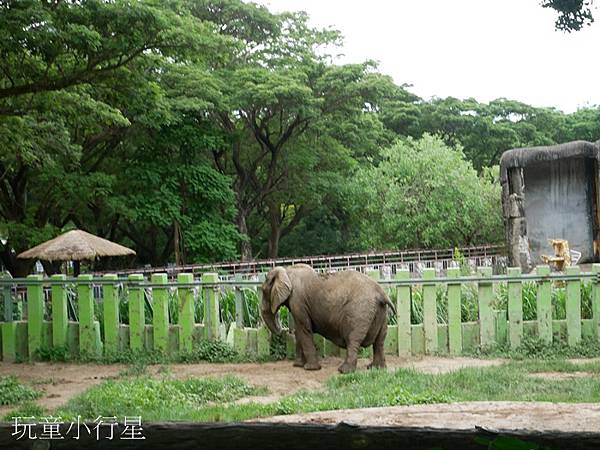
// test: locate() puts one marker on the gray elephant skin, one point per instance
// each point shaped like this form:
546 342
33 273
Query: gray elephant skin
348 308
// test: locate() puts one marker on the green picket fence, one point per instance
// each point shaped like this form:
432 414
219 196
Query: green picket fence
172 316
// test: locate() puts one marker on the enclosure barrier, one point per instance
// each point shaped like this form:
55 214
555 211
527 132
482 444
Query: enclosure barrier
414 259
91 317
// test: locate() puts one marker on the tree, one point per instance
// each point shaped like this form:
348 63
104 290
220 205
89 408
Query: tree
169 199
424 194
485 131
74 76
278 96
573 15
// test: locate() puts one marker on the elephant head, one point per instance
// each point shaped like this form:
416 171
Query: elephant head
276 289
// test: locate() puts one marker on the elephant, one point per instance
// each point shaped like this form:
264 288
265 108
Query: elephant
348 308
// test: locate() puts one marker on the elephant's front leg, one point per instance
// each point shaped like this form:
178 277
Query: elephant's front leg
304 341
299 360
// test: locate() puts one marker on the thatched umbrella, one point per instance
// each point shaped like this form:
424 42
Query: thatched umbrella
75 245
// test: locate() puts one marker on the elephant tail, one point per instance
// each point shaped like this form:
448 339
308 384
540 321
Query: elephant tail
386 301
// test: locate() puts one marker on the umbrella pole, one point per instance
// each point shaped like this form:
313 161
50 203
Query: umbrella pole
76 268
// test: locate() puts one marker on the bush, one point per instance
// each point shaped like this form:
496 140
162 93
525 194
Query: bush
424 194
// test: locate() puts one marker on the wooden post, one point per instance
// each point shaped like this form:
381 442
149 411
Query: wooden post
7 299
160 320
186 312
263 341
60 318
573 308
596 300
403 314
263 335
9 341
544 305
35 315
515 308
430 326
110 303
87 331
137 316
211 306
487 328
454 313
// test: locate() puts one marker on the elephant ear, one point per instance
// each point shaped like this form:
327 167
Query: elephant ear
281 289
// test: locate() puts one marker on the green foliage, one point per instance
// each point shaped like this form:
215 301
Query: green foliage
424 194
558 300
54 354
534 348
485 130
211 129
13 392
573 15
211 351
278 349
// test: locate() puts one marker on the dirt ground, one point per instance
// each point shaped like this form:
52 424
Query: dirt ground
60 382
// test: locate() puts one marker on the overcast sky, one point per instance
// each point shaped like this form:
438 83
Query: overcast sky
484 49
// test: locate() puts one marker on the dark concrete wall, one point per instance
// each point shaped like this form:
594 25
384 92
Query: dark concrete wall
558 205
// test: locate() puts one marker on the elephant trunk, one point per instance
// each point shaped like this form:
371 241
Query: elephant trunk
271 321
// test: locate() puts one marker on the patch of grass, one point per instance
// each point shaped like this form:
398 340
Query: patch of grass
210 400
534 348
406 387
26 409
156 399
211 351
13 392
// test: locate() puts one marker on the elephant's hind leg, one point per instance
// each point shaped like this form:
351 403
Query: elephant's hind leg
352 347
378 350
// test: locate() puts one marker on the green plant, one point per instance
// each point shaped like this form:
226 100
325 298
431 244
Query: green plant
54 354
462 262
154 398
252 307
278 349
211 351
534 348
25 409
13 392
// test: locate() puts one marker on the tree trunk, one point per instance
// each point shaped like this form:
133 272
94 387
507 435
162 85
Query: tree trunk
245 246
276 223
178 259
274 238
